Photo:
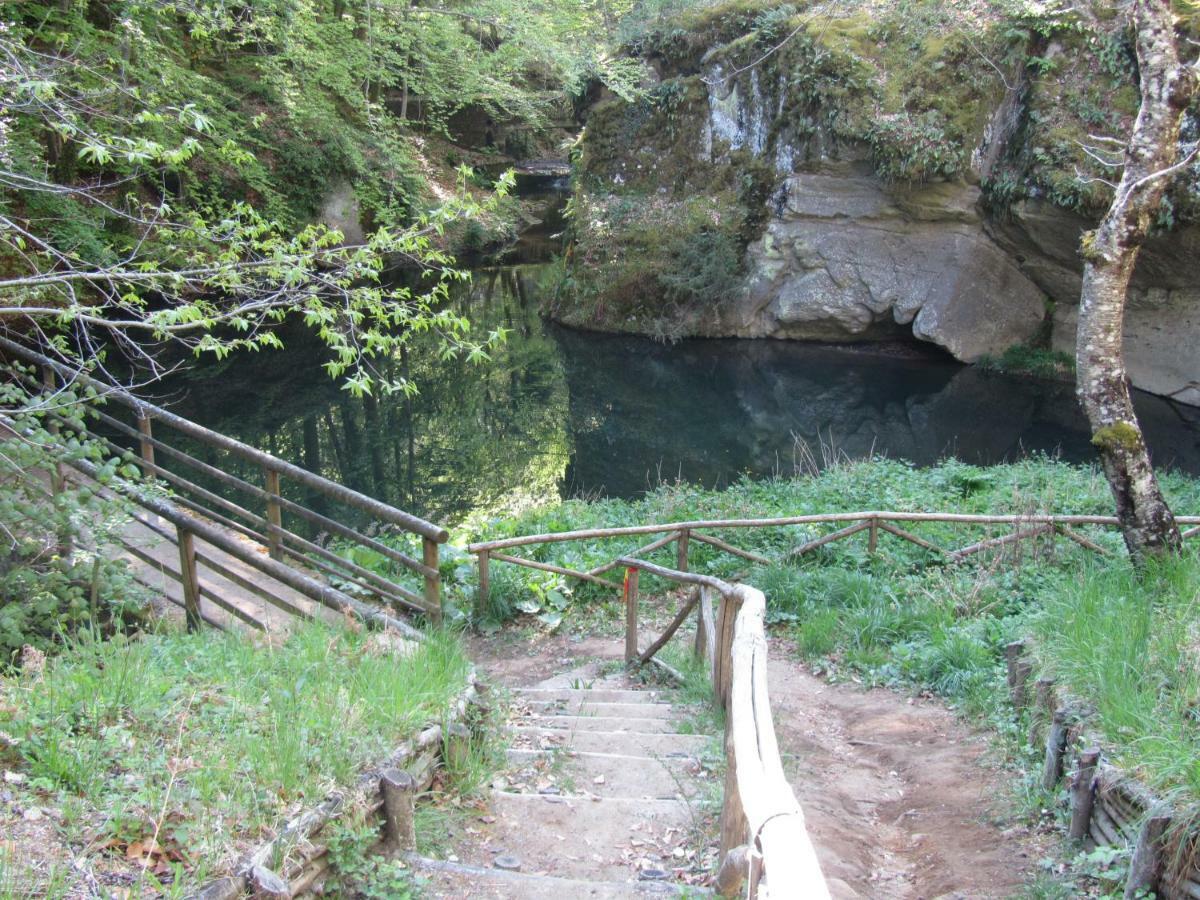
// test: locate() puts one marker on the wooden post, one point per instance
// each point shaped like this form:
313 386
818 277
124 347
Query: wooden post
681 551
484 594
631 615
274 514
1043 709
1019 670
1145 868
1056 745
399 790
873 536
189 578
145 430
735 829
734 870
1083 794
433 583
731 604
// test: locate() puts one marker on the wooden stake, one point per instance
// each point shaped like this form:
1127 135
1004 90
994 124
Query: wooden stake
399 797
1145 868
1083 794
144 429
733 872
735 829
189 578
681 551
631 615
1043 709
1019 671
274 514
1056 745
433 583
483 596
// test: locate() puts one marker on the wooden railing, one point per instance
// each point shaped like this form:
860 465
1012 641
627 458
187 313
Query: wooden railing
765 848
762 825
1026 526
195 510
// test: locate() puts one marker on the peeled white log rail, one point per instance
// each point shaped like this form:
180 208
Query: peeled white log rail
764 840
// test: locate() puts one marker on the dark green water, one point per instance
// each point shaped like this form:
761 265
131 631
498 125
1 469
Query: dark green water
557 413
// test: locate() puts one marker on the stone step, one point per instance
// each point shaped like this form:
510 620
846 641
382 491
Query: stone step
602 839
456 880
569 724
585 707
627 743
596 695
614 775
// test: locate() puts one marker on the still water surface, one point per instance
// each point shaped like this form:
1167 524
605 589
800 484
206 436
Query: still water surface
558 413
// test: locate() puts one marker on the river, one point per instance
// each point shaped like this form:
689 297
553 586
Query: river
558 413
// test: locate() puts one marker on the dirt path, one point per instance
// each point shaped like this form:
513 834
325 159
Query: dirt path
899 794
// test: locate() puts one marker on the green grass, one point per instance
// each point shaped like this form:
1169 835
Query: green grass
1129 645
201 740
905 618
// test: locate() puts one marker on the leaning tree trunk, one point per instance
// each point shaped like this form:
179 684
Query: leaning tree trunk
1110 254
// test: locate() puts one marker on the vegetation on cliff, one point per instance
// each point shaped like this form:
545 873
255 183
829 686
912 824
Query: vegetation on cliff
1003 93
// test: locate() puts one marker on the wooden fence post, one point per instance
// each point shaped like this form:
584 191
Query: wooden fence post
1145 868
147 434
189 578
1083 794
274 514
399 790
731 604
1056 745
485 588
735 828
681 551
631 615
433 583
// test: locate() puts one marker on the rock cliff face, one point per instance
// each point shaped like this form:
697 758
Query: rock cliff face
854 223
843 260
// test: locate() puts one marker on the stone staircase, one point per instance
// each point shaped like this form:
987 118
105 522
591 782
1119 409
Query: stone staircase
604 796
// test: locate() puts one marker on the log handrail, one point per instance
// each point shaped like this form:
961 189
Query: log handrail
814 519
265 524
762 825
147 411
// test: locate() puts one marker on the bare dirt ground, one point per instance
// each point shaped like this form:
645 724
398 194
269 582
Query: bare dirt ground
902 798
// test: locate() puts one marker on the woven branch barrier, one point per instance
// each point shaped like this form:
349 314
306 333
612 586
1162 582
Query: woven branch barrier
293 863
1108 807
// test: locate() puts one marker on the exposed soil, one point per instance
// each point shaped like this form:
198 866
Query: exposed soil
903 800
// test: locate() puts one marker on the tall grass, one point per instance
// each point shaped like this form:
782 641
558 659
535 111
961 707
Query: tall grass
1128 644
201 739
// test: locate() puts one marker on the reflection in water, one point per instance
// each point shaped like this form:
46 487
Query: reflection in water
710 411
490 437
556 412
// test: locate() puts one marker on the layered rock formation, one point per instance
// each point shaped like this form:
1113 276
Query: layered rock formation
851 228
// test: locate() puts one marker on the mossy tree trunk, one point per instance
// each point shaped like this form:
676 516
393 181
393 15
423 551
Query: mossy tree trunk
1110 254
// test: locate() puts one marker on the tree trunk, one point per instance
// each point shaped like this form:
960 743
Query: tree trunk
1110 254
